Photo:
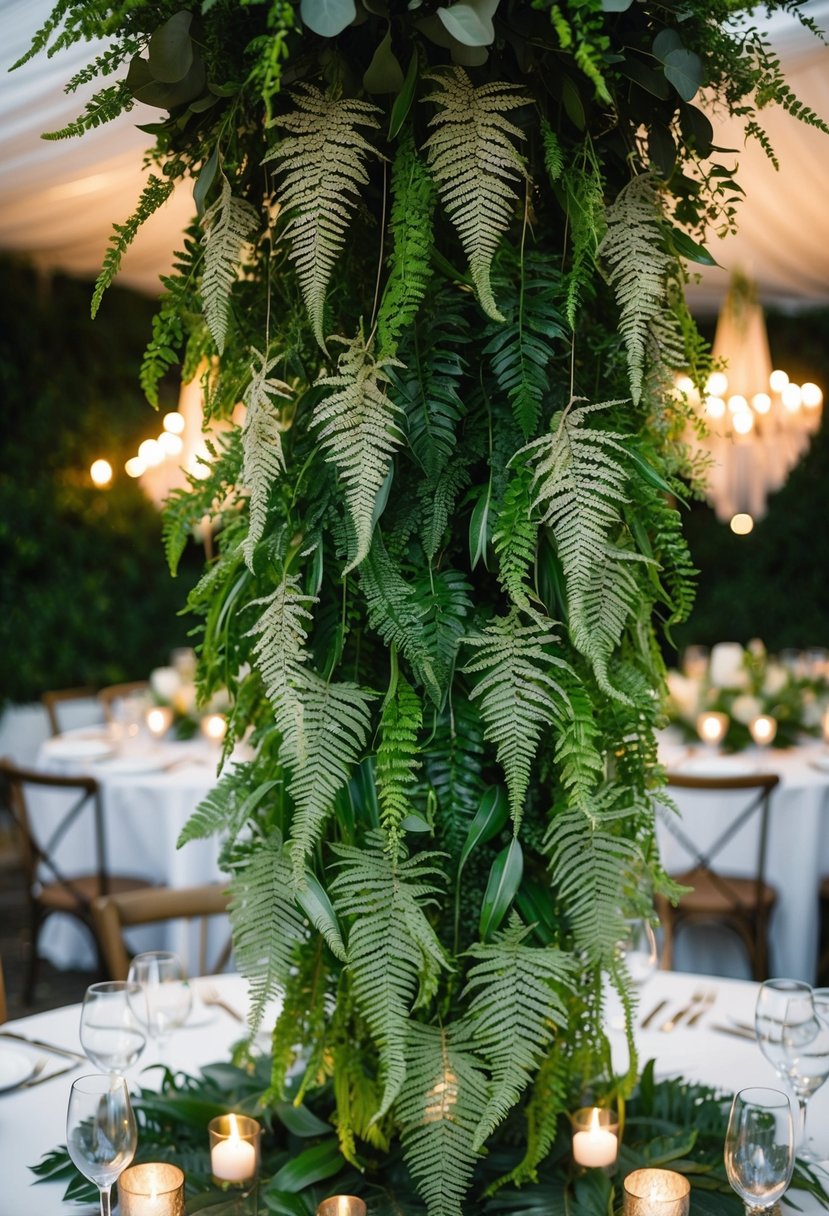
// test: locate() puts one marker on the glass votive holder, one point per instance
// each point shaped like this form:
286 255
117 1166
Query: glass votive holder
153 1189
656 1193
234 1150
213 727
159 719
711 727
595 1137
342 1205
763 729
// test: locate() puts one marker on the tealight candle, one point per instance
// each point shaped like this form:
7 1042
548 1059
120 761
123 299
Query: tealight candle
824 725
596 1141
214 727
234 1148
342 1205
153 1189
711 726
159 719
656 1193
763 729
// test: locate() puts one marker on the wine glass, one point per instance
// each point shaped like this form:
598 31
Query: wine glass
638 949
770 1016
759 1147
163 999
110 1034
100 1131
806 1051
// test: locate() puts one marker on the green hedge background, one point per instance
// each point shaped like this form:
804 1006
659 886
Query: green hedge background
85 595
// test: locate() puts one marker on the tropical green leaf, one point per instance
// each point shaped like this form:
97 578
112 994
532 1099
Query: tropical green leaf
504 880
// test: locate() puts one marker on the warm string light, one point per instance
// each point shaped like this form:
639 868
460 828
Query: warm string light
101 473
153 452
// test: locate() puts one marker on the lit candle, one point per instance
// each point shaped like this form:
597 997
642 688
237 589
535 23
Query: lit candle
153 1189
824 723
159 719
596 1145
763 729
233 1148
342 1205
711 727
214 727
656 1193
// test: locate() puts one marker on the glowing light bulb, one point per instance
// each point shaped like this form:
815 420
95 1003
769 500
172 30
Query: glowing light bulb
174 423
791 397
741 524
150 452
737 404
685 384
743 422
811 395
169 443
714 407
135 467
761 403
717 384
101 473
778 381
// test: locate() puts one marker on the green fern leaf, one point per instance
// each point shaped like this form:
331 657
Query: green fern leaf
105 106
583 189
579 760
303 1022
413 204
397 614
226 225
359 433
398 759
475 165
262 447
428 388
155 193
637 266
438 502
267 926
184 510
229 805
514 538
522 987
440 1104
321 167
547 1102
394 956
446 602
517 695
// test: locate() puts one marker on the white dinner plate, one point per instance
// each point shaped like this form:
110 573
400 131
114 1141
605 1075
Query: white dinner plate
15 1067
85 748
128 766
716 766
820 762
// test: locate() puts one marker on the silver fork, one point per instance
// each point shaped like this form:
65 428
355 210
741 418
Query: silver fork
707 1002
209 996
671 1024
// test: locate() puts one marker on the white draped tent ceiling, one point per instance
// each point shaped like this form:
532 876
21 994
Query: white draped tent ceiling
58 200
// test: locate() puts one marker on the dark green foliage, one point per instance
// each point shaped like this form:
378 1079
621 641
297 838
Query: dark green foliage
155 193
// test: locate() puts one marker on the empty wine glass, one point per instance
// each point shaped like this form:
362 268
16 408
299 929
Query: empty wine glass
806 1051
759 1147
638 949
770 1016
164 998
110 1034
100 1131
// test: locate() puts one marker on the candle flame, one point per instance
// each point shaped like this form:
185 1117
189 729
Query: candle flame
594 1119
234 1128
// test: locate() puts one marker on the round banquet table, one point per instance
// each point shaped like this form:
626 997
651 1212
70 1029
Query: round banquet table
148 793
797 855
32 1120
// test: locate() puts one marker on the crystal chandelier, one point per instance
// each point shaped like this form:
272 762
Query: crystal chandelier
758 422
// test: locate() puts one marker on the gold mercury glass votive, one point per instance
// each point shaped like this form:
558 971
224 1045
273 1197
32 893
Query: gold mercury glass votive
214 727
159 719
342 1205
234 1150
595 1137
656 1193
153 1189
711 726
763 729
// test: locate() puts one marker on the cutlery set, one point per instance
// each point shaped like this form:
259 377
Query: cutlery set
73 1058
688 1014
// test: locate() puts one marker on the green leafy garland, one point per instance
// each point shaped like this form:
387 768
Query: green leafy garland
439 259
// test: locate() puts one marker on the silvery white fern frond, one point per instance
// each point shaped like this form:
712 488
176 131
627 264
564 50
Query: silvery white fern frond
263 459
226 224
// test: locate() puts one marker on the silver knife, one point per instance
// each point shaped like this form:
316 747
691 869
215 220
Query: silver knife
657 1009
58 1051
737 1031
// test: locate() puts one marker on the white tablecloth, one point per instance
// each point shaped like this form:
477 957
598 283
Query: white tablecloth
144 812
797 856
32 1120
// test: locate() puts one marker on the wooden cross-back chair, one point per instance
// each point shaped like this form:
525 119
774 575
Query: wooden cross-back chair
58 699
113 693
49 889
743 903
119 911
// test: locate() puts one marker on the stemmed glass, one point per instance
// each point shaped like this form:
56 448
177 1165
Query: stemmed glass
110 1034
638 949
806 1049
769 1019
163 999
100 1131
759 1147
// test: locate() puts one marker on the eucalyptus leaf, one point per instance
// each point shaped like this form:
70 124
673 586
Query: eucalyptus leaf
468 56
170 50
666 40
384 74
470 21
312 1165
205 179
504 881
327 17
684 70
491 816
616 6
416 823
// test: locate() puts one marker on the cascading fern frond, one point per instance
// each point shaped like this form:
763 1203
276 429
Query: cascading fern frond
226 224
262 446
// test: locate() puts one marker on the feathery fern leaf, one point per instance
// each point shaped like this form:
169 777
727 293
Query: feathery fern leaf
514 538
441 1103
633 250
446 600
413 194
453 765
476 166
185 509
226 224
359 433
578 759
398 758
517 694
583 189
267 926
428 386
438 502
105 106
229 805
154 195
262 447
394 956
321 167
521 987
397 614
304 1019
547 1102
